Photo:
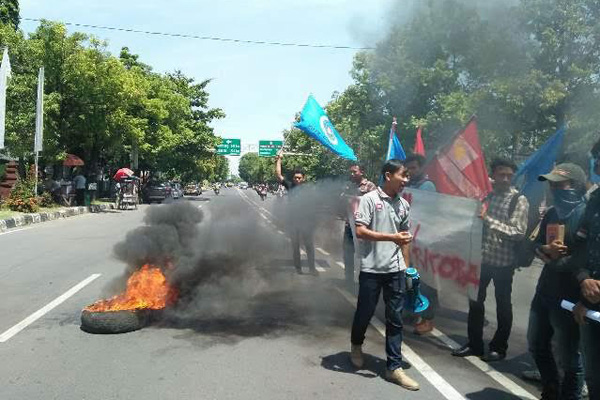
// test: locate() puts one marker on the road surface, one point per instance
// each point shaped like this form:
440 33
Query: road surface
272 334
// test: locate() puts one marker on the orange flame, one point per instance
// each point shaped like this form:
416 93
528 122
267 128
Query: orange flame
147 288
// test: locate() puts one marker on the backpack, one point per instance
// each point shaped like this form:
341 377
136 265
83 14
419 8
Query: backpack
524 249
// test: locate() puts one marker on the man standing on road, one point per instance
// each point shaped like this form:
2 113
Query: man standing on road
302 230
562 253
502 229
382 224
79 185
415 163
588 278
358 187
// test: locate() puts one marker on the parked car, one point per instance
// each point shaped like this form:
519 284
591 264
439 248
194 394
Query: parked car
244 185
156 191
192 190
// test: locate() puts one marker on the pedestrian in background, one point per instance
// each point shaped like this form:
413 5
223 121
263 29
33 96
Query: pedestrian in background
557 245
382 224
302 230
502 229
358 187
415 163
79 182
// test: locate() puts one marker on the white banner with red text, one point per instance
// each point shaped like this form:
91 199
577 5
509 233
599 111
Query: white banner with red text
446 248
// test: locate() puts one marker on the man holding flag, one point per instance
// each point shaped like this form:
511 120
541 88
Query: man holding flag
302 231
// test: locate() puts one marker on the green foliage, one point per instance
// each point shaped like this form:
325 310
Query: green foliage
524 70
9 13
103 108
22 198
46 200
254 169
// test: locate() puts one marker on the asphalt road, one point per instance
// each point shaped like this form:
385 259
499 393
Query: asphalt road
269 334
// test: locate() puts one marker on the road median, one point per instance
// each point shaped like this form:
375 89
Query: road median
36 218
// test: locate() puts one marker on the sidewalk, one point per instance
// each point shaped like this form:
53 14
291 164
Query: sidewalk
36 218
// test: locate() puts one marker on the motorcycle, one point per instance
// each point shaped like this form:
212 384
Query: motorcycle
217 190
263 194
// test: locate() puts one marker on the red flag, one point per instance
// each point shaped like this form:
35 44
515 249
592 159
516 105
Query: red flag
419 146
459 168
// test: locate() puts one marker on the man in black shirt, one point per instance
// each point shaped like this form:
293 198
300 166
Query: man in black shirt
299 231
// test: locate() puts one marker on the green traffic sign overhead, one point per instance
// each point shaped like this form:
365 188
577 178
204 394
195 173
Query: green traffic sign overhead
229 147
269 148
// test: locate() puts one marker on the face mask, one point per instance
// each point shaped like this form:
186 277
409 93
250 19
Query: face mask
565 201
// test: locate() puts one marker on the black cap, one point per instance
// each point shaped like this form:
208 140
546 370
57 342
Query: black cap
565 172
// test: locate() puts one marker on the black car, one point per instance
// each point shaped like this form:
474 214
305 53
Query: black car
157 191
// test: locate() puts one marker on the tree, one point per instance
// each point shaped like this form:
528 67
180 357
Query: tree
254 169
9 13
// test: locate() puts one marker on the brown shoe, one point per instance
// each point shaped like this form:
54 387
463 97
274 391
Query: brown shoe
356 356
423 327
399 377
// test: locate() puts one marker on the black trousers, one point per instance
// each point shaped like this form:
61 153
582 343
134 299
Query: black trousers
308 238
80 197
503 279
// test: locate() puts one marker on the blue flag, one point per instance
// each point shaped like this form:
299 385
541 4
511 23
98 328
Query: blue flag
395 149
594 178
539 163
315 122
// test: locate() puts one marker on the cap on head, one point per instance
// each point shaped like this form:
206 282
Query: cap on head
565 172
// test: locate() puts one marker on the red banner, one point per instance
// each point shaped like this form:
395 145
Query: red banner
459 169
419 146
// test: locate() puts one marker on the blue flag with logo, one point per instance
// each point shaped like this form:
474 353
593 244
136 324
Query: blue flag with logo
539 163
315 122
395 149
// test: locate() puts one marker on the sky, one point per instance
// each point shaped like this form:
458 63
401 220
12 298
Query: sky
260 88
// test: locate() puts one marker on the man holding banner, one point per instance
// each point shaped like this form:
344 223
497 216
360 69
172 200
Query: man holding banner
504 215
382 222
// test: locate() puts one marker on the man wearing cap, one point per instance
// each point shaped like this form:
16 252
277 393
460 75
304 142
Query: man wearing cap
503 227
558 246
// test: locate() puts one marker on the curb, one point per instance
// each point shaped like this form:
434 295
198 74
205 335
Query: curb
36 218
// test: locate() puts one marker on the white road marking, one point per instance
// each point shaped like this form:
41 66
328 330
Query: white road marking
414 359
320 250
502 379
280 232
433 377
47 308
14 230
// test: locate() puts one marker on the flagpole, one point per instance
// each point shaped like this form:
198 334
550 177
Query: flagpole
35 190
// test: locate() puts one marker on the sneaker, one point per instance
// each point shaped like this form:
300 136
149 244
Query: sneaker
532 375
423 327
356 356
399 377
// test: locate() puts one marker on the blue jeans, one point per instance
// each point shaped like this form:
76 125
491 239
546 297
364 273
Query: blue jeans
547 320
590 335
394 287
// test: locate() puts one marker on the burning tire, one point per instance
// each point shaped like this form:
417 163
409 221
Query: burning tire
146 295
114 321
